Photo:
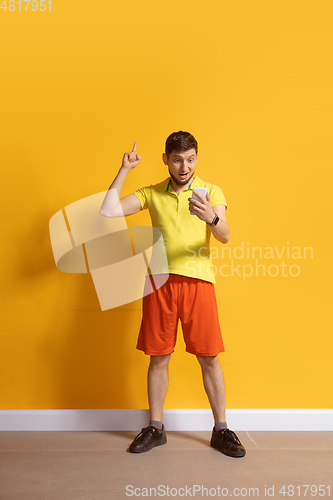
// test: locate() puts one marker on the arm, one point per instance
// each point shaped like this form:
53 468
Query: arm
222 230
113 205
206 212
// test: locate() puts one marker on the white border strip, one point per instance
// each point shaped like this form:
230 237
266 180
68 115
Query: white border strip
174 420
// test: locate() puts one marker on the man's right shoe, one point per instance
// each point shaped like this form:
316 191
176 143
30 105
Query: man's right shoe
148 438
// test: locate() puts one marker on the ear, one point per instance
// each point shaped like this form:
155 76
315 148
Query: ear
164 158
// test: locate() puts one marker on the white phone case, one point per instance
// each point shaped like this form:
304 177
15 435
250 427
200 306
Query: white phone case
202 191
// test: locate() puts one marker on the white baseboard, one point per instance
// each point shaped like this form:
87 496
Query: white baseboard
174 420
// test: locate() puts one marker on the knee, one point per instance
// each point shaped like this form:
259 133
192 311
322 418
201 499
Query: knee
207 362
159 361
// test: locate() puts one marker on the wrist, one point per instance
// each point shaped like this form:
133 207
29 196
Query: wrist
124 169
214 220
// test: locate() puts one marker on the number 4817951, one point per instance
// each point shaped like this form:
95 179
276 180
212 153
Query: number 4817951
24 4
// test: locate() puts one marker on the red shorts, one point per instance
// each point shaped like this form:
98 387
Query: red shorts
191 300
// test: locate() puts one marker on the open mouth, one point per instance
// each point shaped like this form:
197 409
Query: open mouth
183 175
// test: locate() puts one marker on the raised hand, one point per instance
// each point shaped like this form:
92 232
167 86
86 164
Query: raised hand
132 159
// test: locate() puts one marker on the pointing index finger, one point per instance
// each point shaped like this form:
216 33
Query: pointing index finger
134 147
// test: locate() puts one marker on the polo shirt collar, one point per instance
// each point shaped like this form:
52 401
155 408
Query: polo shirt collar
196 182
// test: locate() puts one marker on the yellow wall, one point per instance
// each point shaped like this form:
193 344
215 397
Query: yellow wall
252 81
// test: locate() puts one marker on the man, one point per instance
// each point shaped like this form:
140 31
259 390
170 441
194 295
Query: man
186 225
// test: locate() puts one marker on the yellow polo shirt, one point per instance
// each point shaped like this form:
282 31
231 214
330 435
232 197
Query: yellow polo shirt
186 237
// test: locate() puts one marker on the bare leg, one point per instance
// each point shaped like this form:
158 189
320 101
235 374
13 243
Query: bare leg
213 381
158 381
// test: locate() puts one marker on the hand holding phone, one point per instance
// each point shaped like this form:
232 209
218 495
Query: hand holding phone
200 190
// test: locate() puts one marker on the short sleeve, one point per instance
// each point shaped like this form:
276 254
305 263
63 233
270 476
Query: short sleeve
142 195
217 196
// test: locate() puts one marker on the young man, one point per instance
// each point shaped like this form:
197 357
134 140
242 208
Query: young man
188 294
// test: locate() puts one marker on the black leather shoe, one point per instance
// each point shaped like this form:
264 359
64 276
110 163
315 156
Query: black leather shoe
148 438
227 442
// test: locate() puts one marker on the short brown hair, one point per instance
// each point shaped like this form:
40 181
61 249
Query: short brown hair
180 141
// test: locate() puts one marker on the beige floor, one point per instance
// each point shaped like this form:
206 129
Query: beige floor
97 466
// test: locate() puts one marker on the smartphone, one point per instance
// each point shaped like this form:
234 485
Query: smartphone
202 191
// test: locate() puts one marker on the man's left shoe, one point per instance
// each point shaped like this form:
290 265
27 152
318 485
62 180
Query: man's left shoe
227 442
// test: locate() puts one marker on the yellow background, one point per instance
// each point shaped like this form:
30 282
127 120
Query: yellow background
252 81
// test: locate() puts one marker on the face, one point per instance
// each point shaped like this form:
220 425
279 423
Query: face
181 166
